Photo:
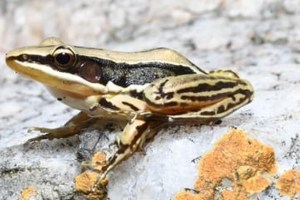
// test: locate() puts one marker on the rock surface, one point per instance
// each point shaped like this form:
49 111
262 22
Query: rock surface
259 39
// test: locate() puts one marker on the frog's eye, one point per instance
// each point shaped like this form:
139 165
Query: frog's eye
90 71
64 58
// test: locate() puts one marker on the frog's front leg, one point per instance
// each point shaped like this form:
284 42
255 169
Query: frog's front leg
72 127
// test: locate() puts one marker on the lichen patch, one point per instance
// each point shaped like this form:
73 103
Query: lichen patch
247 163
88 182
27 193
289 183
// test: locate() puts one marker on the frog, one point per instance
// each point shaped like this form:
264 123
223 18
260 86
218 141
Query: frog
148 90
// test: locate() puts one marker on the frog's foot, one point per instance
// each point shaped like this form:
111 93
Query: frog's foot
50 134
100 192
72 127
85 166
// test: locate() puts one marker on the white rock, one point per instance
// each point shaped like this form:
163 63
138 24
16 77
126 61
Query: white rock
262 51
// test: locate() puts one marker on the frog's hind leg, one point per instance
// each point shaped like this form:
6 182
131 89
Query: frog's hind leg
72 127
133 138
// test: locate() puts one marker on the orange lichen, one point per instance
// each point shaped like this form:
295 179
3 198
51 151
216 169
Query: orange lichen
98 161
189 196
236 192
256 184
85 181
289 183
27 193
88 182
245 162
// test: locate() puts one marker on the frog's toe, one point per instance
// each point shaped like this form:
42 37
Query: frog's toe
86 165
39 129
61 132
46 132
38 138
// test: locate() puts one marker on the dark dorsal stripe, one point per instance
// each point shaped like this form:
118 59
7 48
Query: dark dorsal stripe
124 74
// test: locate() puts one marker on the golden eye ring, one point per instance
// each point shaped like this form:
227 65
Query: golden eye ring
64 58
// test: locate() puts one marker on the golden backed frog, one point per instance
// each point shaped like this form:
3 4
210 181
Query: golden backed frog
149 89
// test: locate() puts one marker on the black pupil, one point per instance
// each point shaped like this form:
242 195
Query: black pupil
63 58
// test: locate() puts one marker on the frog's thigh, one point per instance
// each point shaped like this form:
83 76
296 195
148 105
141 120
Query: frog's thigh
180 94
72 127
172 95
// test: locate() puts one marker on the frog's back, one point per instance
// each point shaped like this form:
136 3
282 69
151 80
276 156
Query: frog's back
137 68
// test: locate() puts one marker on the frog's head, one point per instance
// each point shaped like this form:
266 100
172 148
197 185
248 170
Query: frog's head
58 66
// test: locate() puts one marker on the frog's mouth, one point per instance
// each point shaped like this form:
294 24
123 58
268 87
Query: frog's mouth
29 62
